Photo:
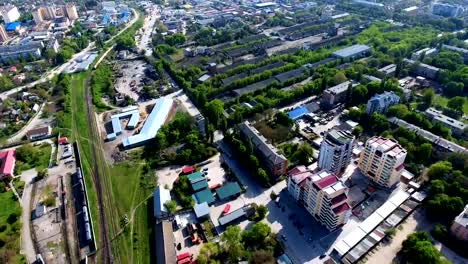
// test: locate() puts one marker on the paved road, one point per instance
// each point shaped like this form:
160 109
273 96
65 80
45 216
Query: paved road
27 246
145 41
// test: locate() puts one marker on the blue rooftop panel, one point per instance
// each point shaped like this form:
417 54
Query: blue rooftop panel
12 26
297 112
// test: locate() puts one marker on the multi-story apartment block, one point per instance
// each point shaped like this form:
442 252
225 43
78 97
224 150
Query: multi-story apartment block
380 103
336 150
70 11
31 50
334 95
38 16
458 128
446 10
50 12
3 34
10 13
277 164
382 161
459 226
323 195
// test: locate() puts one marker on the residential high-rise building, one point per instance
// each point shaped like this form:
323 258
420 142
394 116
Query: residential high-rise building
10 13
70 10
3 34
37 16
335 151
382 161
323 195
50 12
459 226
380 103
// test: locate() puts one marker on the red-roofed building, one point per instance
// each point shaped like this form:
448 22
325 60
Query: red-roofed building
188 170
323 195
7 166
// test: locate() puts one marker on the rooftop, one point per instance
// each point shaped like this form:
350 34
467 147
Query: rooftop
338 137
204 195
462 218
351 51
439 116
7 159
227 190
153 123
298 112
160 197
223 220
340 88
386 145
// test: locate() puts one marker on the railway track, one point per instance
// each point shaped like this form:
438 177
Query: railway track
104 250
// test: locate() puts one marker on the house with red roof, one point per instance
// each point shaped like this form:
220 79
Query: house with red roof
323 195
7 163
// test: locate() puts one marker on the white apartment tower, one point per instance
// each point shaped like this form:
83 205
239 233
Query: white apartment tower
335 151
70 10
382 161
10 13
323 195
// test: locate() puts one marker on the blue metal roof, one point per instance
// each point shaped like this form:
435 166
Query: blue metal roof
298 112
12 26
153 123
134 118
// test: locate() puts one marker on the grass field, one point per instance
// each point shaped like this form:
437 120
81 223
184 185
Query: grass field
80 132
442 101
10 228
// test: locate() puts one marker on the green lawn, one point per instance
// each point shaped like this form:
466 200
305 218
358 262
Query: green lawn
442 101
10 228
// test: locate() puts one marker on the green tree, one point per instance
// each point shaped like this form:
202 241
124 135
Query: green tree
208 252
456 103
303 154
428 97
175 39
231 243
254 237
262 177
171 206
214 111
399 111
262 210
417 248
423 153
357 131
283 119
454 89
5 83
439 170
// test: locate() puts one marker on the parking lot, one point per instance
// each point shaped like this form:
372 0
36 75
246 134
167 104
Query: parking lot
130 80
182 237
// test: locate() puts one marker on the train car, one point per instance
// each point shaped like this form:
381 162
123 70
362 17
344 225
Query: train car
85 214
88 231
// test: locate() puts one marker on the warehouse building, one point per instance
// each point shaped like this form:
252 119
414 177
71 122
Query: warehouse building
352 52
153 123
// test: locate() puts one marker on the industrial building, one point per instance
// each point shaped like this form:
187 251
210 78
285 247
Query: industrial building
130 112
380 103
352 52
323 195
160 197
153 123
336 150
382 161
277 163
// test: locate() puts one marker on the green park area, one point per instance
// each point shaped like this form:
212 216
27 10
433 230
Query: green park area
29 156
